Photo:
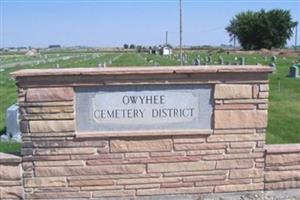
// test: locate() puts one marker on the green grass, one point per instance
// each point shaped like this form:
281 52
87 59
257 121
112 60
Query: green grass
130 60
10 147
284 105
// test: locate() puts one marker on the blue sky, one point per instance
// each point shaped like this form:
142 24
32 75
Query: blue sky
38 23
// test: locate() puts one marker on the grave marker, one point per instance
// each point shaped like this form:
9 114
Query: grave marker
12 124
294 71
274 67
274 59
242 61
197 61
221 60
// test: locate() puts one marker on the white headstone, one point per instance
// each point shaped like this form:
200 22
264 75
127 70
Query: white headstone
4 138
12 122
274 68
221 60
242 61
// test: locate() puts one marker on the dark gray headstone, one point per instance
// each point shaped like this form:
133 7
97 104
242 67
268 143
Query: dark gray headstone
294 72
197 61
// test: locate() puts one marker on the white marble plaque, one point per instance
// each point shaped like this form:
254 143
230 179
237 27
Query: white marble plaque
152 107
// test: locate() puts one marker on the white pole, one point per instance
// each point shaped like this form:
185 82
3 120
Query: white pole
296 35
180 32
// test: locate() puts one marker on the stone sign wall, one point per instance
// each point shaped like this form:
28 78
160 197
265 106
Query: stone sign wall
215 145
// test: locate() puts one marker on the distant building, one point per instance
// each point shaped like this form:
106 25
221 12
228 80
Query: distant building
32 52
22 49
12 49
154 50
166 50
54 46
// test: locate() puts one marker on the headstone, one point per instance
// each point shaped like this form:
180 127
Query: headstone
221 60
210 59
12 124
196 61
274 68
99 65
274 59
57 66
104 64
242 61
4 138
185 60
294 72
206 60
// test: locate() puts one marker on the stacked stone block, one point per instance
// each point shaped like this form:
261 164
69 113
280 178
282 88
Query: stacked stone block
10 177
60 163
282 166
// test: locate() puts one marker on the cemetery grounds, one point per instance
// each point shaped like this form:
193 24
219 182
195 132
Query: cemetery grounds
284 99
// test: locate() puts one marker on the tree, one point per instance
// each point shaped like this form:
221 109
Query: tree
256 30
132 46
125 46
139 48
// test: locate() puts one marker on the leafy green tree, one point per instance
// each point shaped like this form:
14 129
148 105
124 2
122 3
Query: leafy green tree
132 46
125 46
262 29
